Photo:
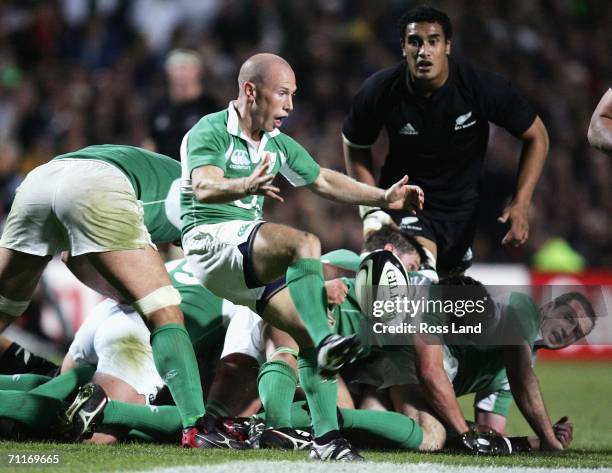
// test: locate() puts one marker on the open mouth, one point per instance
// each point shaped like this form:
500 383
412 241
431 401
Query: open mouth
424 66
278 121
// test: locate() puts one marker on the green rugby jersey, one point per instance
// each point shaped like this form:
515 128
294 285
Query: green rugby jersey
483 368
203 311
155 179
346 319
217 140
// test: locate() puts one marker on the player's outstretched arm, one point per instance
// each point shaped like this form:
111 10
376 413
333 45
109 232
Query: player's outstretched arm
437 389
211 186
528 396
600 128
533 156
341 188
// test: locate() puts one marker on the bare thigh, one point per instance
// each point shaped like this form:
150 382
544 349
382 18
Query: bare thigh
280 312
276 246
135 274
19 275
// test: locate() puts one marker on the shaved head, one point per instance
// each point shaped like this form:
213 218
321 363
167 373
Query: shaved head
260 67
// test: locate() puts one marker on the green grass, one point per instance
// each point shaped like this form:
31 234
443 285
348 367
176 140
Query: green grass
580 391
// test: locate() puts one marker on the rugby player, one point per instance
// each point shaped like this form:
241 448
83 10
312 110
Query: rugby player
436 110
106 206
600 128
229 160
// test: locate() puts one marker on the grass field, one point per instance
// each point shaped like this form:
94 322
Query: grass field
582 391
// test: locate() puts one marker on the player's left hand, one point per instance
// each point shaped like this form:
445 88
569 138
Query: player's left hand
519 224
336 291
401 196
564 431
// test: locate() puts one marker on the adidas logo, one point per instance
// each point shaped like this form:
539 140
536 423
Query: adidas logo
408 129
460 121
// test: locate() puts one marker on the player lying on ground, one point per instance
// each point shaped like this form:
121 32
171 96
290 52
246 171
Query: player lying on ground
106 206
423 381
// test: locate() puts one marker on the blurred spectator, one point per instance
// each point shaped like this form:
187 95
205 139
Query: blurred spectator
184 104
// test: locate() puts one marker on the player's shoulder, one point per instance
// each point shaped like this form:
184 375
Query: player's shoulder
385 79
475 78
216 121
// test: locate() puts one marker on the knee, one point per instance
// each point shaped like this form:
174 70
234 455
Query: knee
307 245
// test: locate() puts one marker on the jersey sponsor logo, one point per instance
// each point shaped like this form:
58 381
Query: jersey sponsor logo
239 159
460 121
408 129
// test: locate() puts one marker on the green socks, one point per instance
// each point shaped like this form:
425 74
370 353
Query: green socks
65 384
160 422
35 410
306 288
39 407
276 384
176 364
22 382
321 395
393 429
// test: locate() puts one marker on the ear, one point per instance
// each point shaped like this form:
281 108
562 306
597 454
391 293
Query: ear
402 44
448 47
250 91
389 247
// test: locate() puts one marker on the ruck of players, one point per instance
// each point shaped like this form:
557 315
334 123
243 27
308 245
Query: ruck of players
252 338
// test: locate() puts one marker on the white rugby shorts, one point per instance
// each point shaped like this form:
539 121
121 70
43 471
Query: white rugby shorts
216 261
80 205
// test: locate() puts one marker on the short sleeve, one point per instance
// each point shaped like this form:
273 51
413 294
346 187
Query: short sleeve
297 166
206 146
504 105
365 118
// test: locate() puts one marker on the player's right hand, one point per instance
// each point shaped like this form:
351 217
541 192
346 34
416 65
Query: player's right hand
259 181
336 291
564 431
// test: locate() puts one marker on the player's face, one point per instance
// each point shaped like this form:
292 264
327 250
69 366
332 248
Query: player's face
274 101
426 51
564 324
411 261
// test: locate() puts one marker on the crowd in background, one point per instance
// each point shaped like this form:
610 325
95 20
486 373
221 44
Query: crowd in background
81 72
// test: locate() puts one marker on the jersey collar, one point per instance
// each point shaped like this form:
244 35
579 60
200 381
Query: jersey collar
233 125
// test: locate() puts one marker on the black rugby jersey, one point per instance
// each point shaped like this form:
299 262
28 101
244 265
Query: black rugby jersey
439 141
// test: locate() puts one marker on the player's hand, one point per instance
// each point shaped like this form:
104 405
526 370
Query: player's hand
550 445
401 196
336 291
564 431
374 218
259 182
519 224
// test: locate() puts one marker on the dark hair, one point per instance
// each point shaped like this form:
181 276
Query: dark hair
476 291
387 234
584 301
424 13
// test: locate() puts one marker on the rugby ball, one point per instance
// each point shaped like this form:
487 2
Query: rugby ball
381 277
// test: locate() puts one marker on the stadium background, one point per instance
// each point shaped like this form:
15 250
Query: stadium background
77 72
